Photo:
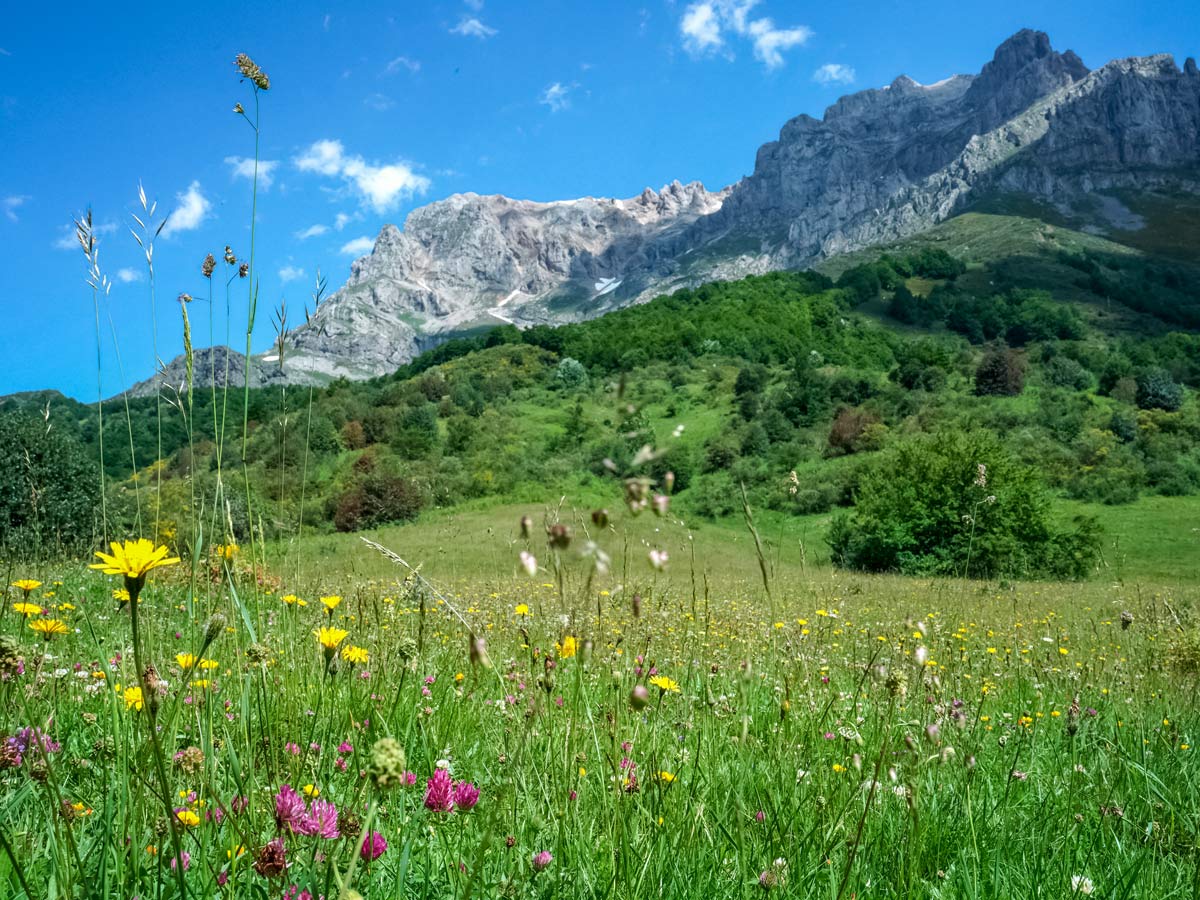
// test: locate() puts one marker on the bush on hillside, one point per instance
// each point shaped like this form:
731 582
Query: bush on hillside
49 491
958 504
1000 373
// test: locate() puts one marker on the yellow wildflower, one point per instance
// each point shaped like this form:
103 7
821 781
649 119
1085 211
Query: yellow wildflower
133 698
330 603
48 628
133 559
27 585
355 655
27 609
665 684
329 637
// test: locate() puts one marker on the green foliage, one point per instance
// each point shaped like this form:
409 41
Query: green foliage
1001 373
958 504
49 501
1157 390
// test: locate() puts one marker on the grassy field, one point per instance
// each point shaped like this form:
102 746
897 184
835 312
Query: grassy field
1154 541
718 734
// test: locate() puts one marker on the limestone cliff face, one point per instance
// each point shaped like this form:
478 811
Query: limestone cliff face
471 260
880 165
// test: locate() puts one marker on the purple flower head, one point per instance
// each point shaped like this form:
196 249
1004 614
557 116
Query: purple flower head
320 821
31 737
187 861
373 846
466 795
542 860
439 792
289 808
345 747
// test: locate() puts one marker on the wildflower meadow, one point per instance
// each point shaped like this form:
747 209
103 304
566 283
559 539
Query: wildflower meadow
581 702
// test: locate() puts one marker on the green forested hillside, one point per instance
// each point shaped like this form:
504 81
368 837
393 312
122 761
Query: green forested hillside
1082 356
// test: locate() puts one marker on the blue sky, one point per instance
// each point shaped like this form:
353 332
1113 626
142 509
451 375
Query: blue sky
376 108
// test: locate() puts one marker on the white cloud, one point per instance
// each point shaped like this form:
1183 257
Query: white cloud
379 102
834 73
555 97
769 40
341 220
244 168
290 273
700 28
469 26
191 210
402 62
312 231
705 26
128 276
381 187
476 5
360 246
324 156
12 204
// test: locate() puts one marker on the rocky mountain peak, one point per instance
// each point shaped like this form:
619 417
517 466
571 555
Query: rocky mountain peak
1024 68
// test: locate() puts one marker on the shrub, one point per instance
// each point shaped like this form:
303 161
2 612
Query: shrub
1000 373
1064 372
49 491
1156 389
377 499
853 430
958 504
571 374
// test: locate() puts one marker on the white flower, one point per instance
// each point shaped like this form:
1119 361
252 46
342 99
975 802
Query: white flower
1081 884
528 563
658 559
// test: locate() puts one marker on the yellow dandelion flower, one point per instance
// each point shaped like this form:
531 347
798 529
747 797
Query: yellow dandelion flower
355 655
185 660
666 776
121 595
133 559
292 600
133 698
27 585
48 628
227 551
458 677
209 664
188 817
329 637
522 609
27 609
330 603
665 684
567 648
66 607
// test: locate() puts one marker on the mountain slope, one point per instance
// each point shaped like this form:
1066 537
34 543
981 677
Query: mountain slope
881 165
